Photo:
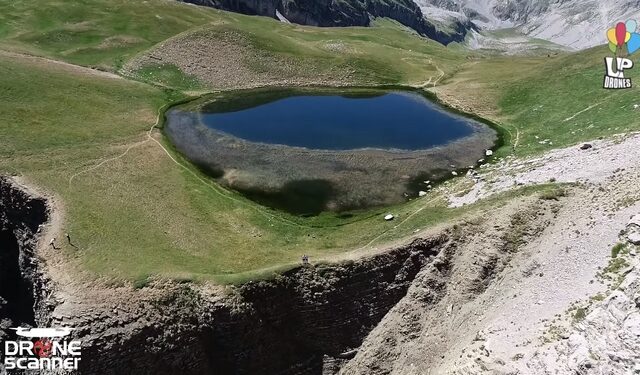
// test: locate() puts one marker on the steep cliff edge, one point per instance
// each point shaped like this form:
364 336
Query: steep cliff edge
305 321
23 286
328 13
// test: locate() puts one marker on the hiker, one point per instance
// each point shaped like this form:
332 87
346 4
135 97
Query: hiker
52 243
305 260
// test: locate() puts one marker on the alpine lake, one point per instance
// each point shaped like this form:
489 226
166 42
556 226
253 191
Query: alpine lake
305 151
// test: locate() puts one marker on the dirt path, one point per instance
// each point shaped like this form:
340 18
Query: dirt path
210 185
431 81
583 111
61 64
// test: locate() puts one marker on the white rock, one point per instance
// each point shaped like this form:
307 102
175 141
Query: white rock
634 238
630 283
488 153
634 221
632 324
580 351
454 173
389 217
422 193
617 304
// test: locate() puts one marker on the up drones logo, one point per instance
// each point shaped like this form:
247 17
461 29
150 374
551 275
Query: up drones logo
623 41
49 351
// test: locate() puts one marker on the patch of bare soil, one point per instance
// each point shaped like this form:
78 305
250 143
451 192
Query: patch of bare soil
119 41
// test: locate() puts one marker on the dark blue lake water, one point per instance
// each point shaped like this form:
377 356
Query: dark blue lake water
331 122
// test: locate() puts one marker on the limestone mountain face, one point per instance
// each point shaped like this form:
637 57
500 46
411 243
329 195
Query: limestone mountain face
577 24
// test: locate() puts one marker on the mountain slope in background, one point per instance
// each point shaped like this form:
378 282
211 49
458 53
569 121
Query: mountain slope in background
577 24
343 13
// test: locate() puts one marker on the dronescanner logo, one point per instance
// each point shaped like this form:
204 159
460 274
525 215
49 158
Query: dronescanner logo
623 41
42 349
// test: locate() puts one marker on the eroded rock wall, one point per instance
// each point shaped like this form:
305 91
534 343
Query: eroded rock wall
305 321
23 288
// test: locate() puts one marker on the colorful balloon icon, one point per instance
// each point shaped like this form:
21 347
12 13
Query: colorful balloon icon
621 34
633 44
613 48
624 33
611 36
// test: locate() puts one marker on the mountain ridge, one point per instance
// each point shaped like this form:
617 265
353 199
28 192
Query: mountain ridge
335 13
577 24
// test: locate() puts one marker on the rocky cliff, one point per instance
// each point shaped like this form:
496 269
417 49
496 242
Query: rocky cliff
22 285
306 321
342 13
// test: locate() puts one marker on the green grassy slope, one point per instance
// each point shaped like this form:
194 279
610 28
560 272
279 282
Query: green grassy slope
564 102
107 33
546 102
101 33
385 54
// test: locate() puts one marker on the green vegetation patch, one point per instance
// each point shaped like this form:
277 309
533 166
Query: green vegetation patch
617 249
101 33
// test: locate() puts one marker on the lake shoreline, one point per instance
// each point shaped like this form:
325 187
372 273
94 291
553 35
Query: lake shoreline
291 178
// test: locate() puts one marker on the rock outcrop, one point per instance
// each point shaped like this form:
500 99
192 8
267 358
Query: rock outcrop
23 286
607 339
435 315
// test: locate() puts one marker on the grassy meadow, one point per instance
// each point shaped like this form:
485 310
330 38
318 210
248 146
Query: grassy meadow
136 212
545 102
141 214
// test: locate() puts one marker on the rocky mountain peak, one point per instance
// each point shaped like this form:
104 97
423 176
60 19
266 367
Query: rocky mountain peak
576 24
